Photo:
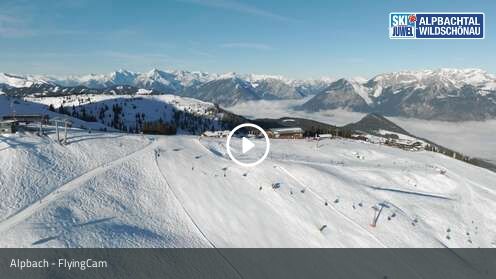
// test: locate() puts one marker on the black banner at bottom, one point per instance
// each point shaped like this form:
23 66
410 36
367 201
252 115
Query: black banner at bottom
247 263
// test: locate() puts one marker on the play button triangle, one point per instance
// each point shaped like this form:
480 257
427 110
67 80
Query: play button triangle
247 145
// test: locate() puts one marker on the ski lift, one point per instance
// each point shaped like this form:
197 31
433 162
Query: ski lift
377 212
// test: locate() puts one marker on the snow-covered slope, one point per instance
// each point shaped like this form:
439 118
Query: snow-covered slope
22 81
94 192
346 94
227 90
130 113
14 106
117 190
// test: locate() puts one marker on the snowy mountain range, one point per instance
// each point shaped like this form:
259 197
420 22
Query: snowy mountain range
225 89
443 94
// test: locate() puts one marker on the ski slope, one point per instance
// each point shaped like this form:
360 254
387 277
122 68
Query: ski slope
120 190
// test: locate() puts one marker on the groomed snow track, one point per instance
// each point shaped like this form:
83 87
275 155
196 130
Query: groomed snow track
66 188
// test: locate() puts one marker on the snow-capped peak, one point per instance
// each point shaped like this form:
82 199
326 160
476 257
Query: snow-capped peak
359 79
21 81
444 77
175 81
257 78
228 75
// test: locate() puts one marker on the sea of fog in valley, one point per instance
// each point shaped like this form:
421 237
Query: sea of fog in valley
474 138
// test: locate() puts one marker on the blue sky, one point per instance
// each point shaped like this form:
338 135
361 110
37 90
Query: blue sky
300 39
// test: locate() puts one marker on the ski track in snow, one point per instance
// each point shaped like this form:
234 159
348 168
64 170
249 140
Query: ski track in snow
331 206
190 217
66 188
169 186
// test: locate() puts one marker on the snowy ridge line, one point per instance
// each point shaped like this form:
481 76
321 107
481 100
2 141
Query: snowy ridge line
164 178
66 188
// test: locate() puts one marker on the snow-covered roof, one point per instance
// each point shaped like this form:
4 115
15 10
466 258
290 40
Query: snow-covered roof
325 135
61 118
216 133
143 91
292 130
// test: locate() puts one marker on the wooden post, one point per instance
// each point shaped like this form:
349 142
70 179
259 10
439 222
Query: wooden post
57 129
65 132
41 129
374 218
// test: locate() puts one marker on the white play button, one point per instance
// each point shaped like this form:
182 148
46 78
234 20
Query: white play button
247 145
245 158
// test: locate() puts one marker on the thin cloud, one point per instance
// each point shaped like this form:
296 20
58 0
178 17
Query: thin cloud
12 27
201 53
256 46
134 56
16 20
233 5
